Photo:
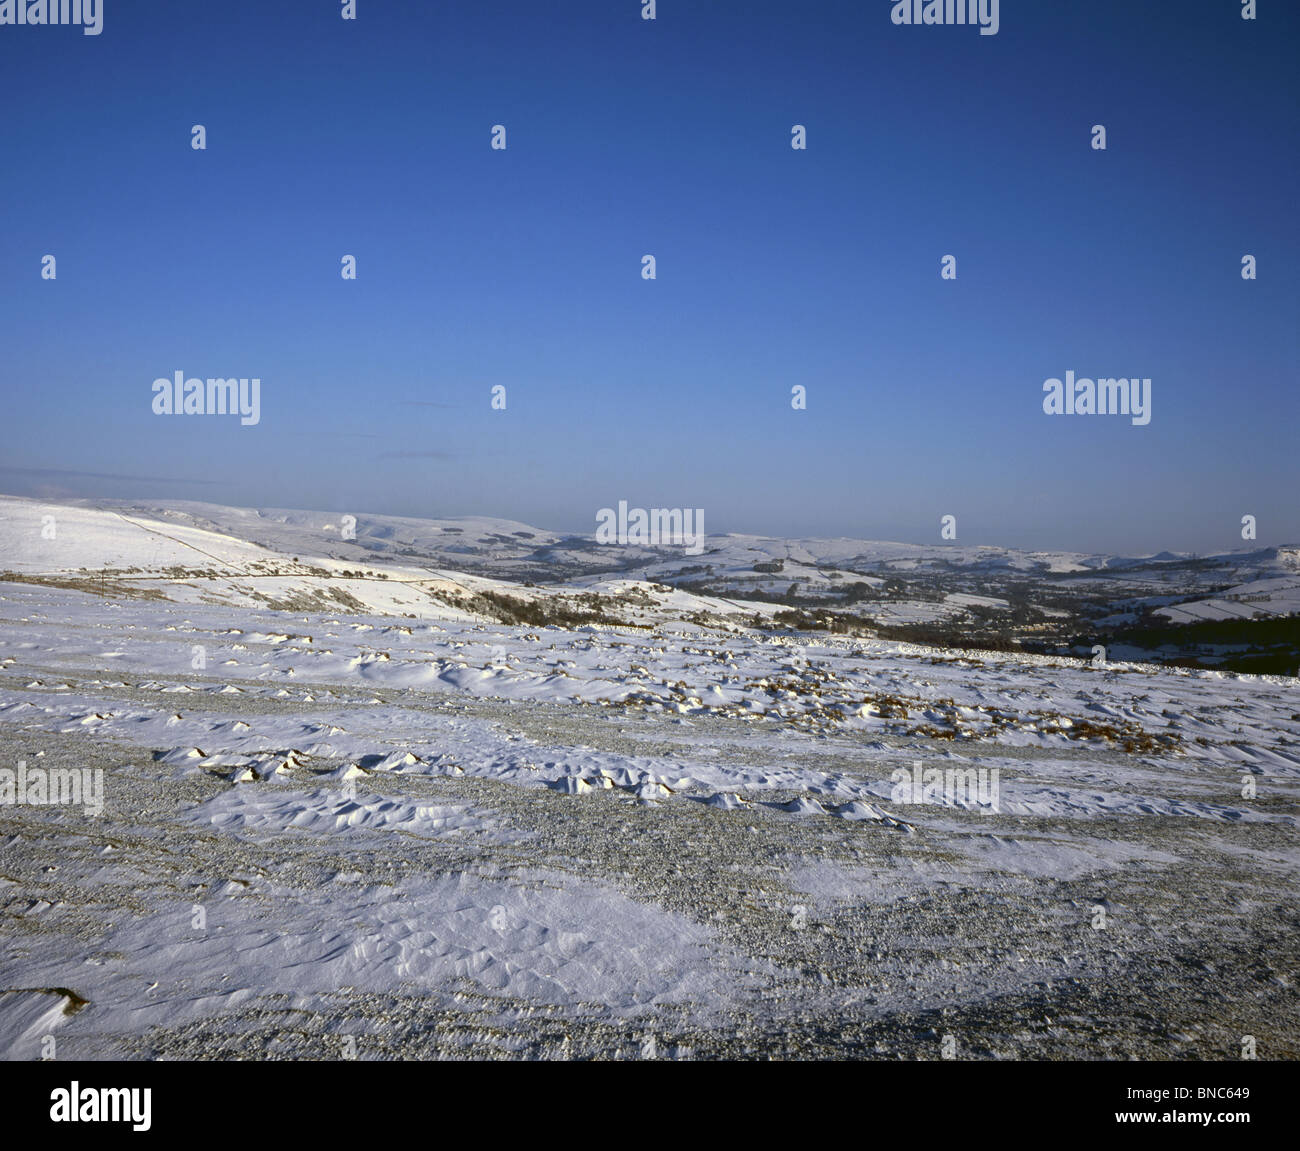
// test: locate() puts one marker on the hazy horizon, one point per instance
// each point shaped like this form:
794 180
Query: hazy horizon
588 531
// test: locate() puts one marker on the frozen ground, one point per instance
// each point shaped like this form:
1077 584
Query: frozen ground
329 832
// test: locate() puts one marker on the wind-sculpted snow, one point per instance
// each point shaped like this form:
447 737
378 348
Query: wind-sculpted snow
523 937
871 689
461 837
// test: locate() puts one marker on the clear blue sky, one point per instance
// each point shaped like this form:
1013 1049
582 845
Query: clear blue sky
776 267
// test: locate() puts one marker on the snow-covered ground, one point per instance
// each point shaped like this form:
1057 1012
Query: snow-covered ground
385 824
1276 596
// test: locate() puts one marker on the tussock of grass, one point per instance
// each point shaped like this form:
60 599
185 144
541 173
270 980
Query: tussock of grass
107 586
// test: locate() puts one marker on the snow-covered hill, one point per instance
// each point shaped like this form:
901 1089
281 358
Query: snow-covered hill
210 553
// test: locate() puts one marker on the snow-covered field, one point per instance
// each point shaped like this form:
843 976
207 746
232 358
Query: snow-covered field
382 824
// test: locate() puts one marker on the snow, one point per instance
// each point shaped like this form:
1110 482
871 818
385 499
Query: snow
395 797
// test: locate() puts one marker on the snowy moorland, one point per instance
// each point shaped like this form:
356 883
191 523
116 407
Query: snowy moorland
380 797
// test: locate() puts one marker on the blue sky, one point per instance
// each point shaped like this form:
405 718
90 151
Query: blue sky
775 267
